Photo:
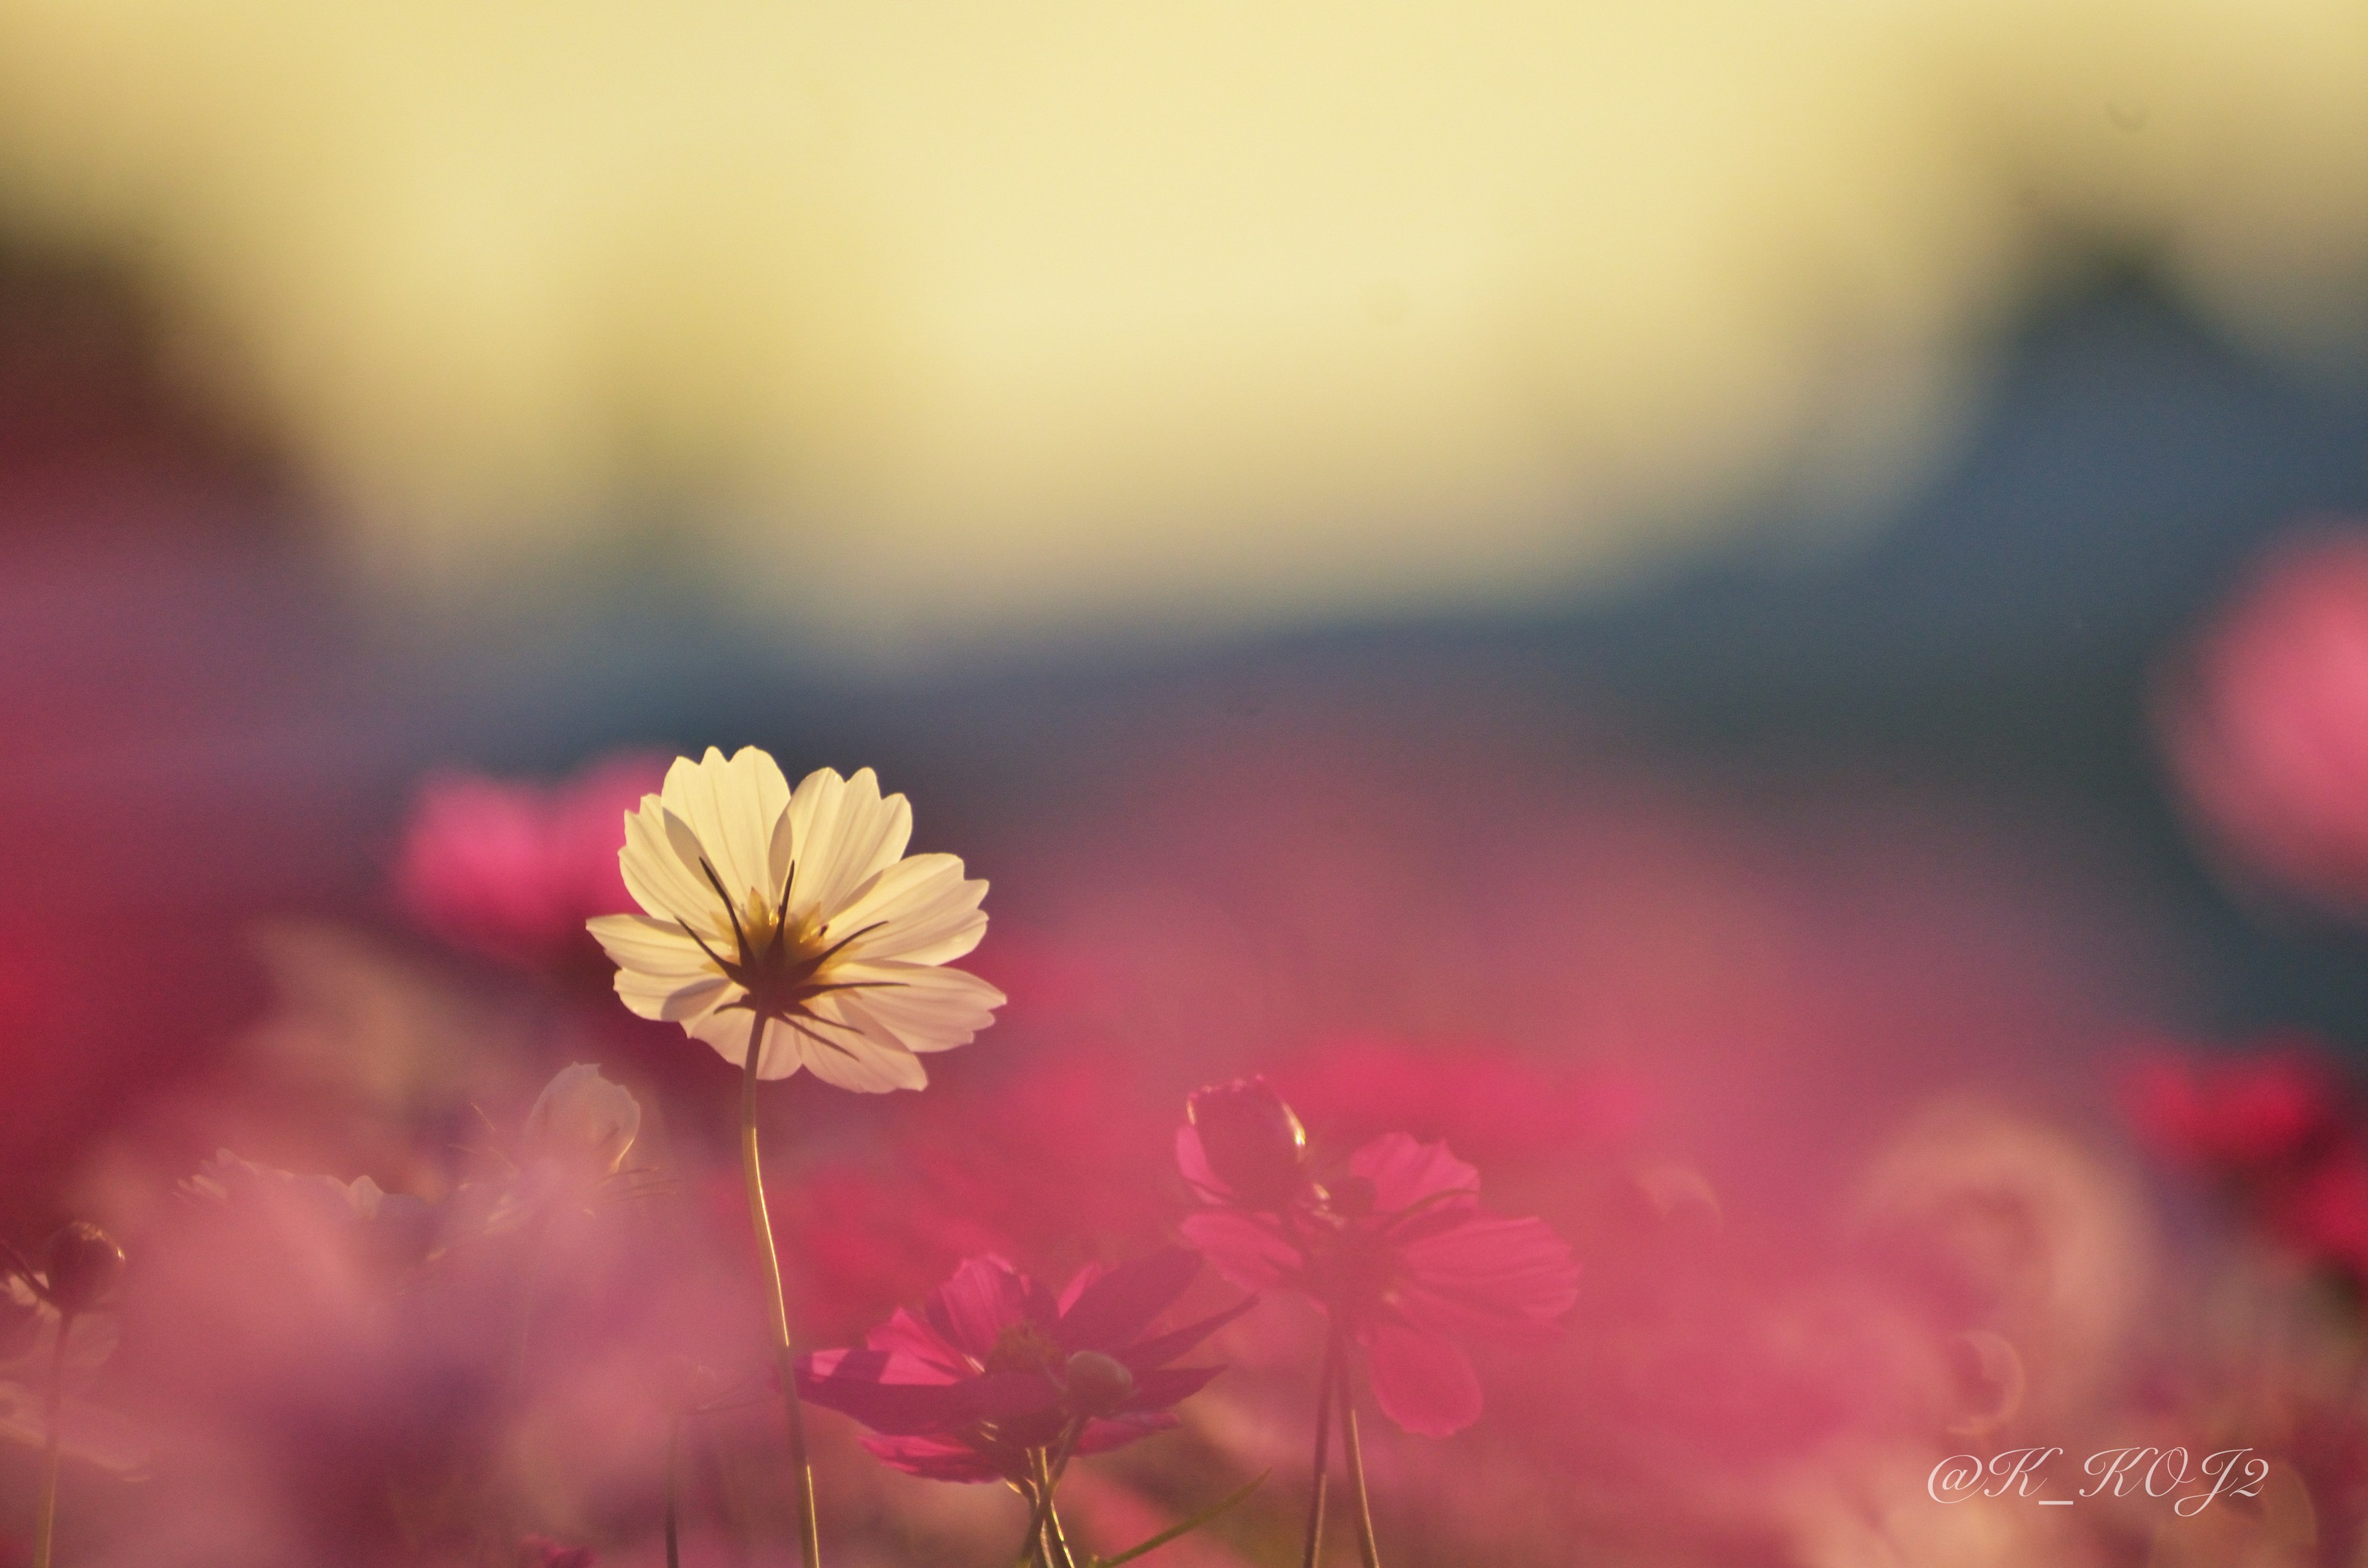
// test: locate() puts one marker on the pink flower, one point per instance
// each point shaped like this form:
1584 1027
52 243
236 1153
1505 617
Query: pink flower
513 869
994 1364
2268 728
1399 1253
2239 1117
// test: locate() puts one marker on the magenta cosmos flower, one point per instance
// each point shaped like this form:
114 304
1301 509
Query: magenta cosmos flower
994 1364
1396 1251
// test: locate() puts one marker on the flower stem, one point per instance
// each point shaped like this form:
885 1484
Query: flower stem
673 1492
1045 1476
45 1522
1324 1383
1045 1537
1355 1453
1059 1539
809 1537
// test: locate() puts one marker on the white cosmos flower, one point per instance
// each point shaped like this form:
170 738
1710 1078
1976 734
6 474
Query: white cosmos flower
804 908
581 1119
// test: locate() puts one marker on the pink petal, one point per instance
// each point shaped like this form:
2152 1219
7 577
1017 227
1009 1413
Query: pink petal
1242 1249
1422 1382
1193 1161
985 1296
1405 1173
934 1458
1488 1275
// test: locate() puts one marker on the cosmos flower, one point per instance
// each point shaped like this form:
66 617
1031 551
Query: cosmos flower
1397 1251
512 869
994 1364
571 1158
582 1119
800 908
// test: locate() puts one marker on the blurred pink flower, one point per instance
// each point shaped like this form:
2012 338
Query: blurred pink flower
2322 1211
994 1364
2267 728
1399 1253
2238 1116
512 869
2279 1128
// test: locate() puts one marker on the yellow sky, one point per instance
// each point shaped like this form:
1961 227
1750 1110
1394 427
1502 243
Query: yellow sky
921 321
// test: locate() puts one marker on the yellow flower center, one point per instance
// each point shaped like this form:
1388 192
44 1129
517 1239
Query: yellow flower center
780 962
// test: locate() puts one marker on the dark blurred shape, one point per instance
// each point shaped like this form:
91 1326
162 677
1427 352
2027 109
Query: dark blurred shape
83 1264
95 434
1252 1141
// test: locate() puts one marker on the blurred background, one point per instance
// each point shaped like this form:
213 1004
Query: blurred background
1791 561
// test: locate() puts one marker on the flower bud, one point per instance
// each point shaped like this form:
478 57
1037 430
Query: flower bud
582 1117
1252 1141
83 1265
1098 1384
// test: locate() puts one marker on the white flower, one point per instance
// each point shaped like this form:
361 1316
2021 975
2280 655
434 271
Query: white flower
803 908
581 1118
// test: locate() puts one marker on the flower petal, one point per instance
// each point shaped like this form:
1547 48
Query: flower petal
923 910
655 873
859 1062
1147 1354
947 1459
1115 1306
842 834
1405 1173
650 946
920 1006
726 1029
1488 1275
731 806
1243 1249
1421 1382
985 1297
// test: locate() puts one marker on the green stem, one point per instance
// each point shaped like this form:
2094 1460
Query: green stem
673 1491
45 1522
809 1537
1324 1383
1355 1453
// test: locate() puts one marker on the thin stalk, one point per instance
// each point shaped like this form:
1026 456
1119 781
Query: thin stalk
45 1522
1059 1539
1044 1532
1046 1475
1355 1453
809 1537
673 1492
1324 1383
